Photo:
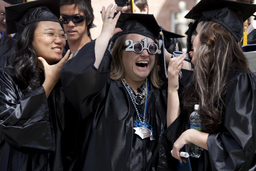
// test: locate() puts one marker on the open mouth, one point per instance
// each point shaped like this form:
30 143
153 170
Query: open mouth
142 64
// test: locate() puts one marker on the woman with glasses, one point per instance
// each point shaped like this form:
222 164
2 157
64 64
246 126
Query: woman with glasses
29 127
120 97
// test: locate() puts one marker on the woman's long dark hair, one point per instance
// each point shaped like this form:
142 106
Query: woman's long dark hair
23 64
218 58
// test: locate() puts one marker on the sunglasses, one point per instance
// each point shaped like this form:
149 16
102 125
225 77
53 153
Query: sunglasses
74 18
138 47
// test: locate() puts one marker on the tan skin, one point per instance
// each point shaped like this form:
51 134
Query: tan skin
3 4
49 51
76 32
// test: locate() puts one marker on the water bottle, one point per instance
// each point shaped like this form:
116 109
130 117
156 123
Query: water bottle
195 123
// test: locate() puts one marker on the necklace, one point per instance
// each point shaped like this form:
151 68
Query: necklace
142 128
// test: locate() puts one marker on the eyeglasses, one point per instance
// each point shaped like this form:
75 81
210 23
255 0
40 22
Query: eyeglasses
74 18
137 47
54 35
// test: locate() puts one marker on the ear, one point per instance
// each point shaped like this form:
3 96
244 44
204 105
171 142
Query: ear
145 10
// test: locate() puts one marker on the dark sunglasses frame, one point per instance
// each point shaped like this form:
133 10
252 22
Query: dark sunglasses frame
130 46
65 19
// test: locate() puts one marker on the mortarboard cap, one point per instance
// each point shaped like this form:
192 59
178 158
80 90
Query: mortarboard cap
122 3
146 24
13 1
230 14
20 15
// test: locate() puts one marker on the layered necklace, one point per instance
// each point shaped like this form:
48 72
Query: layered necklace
142 128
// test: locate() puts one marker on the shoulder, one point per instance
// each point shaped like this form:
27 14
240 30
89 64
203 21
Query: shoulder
242 78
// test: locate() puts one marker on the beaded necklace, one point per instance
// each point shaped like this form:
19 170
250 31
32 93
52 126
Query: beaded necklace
142 128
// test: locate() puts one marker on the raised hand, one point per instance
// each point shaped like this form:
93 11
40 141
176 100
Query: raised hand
108 30
175 65
52 72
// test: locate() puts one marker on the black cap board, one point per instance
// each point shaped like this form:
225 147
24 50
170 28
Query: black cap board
20 15
13 1
122 3
146 24
230 14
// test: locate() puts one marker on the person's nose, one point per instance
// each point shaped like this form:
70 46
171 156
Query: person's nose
71 24
144 52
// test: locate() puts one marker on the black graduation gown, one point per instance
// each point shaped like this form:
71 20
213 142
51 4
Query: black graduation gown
67 126
27 138
108 115
233 147
7 48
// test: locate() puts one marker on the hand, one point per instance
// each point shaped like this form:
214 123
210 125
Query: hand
178 144
175 65
109 21
52 72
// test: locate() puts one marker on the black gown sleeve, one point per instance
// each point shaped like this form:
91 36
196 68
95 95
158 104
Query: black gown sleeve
24 121
82 81
233 148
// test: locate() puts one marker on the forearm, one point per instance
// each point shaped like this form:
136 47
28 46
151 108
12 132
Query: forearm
101 44
197 137
173 107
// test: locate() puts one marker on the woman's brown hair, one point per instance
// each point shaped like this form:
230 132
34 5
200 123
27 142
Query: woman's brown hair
219 56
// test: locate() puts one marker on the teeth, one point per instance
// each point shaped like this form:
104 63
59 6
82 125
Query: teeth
58 49
142 62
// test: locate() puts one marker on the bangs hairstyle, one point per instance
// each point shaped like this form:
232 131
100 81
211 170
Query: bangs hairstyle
218 58
83 6
117 68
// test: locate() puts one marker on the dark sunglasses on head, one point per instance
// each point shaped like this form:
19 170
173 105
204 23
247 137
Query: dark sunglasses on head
74 18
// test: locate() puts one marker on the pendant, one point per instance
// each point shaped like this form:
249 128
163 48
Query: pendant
144 132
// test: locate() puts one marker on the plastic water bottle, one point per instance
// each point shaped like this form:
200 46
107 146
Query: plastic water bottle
195 123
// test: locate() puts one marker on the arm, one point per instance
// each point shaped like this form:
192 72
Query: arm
108 29
24 121
237 140
173 104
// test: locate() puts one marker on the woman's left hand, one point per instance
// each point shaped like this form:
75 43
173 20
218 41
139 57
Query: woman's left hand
178 144
187 137
52 72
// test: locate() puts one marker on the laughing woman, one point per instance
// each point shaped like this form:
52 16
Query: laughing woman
123 103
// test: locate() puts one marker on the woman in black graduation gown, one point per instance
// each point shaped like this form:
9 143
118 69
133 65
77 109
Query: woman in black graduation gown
223 87
27 141
123 105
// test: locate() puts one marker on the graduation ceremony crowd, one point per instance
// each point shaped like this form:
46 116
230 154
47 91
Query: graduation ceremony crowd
122 101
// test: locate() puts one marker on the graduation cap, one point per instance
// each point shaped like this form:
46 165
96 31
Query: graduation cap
122 3
230 14
13 1
20 15
146 24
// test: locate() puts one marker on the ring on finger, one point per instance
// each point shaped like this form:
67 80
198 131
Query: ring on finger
109 17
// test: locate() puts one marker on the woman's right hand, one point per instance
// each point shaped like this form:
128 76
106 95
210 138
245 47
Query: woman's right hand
175 65
109 21
52 72
108 30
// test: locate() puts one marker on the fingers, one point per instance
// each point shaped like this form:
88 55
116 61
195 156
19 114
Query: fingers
67 56
42 63
109 12
103 11
117 30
